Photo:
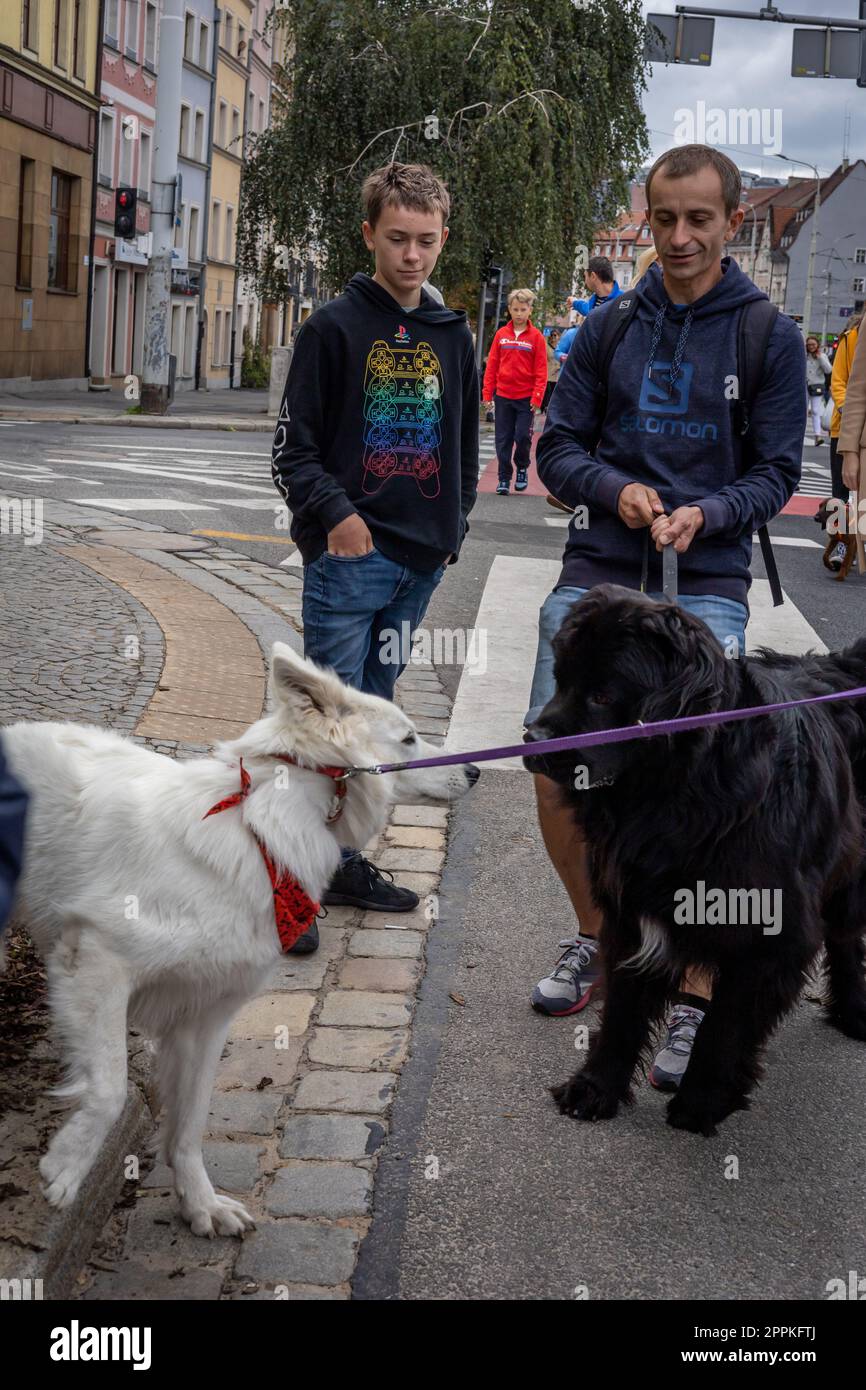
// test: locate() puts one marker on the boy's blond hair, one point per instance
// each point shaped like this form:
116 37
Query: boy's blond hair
526 296
412 186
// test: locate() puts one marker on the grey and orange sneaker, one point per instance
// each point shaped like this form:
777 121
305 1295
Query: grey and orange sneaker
569 986
669 1067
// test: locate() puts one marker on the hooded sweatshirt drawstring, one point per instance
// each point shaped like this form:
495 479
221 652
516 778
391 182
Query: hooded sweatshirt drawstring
679 350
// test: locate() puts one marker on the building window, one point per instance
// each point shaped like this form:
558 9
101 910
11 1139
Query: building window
106 147
194 248
112 22
215 231
184 130
189 37
860 285
221 123
229 235
24 268
251 112
144 164
128 141
236 129
228 31
132 14
242 41
30 25
203 45
198 149
62 260
860 255
61 32
217 334
79 39
150 28
179 225
261 114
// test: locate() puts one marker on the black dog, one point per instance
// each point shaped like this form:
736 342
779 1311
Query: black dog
773 803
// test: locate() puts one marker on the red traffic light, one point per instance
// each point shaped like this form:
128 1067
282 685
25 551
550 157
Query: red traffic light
123 200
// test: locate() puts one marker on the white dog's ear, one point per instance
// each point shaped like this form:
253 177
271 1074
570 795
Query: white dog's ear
296 681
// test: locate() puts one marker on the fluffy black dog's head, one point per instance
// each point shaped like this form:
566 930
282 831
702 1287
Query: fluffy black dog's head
620 658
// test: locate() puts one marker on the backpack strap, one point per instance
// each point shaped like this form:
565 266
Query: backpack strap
757 320
614 326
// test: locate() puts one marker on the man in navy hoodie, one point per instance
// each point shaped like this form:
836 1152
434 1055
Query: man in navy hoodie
376 456
663 456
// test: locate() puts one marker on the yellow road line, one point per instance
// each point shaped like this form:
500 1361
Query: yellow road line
240 536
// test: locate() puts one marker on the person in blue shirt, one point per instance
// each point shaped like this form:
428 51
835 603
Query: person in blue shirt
602 287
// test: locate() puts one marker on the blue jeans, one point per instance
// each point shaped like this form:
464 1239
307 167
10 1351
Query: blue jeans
360 612
513 428
725 617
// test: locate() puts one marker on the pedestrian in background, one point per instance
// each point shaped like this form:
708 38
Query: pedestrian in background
852 442
515 382
553 366
13 809
842 362
817 364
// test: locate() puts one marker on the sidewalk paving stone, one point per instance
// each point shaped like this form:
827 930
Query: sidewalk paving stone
301 1252
267 1013
367 1048
374 973
389 944
355 1008
331 1136
319 1189
357 1092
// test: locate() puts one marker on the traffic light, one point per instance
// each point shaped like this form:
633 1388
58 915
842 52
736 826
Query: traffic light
125 202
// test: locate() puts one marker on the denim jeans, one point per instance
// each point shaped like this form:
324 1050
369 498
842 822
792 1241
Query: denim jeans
725 617
513 427
360 612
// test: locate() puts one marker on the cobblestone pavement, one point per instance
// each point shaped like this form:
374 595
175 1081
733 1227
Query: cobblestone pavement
300 1113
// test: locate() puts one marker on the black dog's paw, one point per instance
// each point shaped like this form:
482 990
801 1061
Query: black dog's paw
701 1114
583 1099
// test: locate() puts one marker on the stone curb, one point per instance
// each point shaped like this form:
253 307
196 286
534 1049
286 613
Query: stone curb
165 422
69 1235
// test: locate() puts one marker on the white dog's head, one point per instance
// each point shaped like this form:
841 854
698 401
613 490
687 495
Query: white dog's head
322 722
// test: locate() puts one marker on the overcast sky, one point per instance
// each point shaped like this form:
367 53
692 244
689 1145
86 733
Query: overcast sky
751 67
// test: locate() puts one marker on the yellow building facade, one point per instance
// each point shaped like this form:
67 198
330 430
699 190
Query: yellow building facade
223 347
48 119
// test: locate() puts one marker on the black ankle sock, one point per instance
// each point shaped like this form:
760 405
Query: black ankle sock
694 1001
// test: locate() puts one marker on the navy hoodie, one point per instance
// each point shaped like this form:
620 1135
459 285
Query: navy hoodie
674 435
380 419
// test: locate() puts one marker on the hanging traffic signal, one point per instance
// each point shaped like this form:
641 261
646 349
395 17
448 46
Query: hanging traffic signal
125 202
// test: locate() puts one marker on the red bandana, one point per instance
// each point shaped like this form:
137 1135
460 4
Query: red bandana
294 910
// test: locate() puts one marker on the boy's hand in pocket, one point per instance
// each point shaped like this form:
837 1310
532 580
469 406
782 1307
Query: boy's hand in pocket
350 537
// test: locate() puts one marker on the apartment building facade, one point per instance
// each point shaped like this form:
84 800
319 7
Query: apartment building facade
48 130
187 328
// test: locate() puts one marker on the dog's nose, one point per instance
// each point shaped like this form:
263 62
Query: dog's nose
472 773
537 733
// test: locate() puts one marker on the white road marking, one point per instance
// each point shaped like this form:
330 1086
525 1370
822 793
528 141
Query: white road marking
252 504
490 705
292 561
182 475
145 504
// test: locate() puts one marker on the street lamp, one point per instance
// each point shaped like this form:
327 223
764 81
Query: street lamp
807 302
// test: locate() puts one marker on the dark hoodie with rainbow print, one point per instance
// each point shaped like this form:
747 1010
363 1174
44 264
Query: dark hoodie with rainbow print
669 423
380 419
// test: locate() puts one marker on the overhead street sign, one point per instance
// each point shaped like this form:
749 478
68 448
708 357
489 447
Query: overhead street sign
681 38
826 53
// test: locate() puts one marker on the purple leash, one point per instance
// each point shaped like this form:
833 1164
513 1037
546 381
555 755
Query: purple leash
625 735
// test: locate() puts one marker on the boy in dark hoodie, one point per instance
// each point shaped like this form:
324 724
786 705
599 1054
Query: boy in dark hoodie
663 456
376 456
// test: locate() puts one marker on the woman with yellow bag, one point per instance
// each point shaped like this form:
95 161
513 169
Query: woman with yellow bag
852 445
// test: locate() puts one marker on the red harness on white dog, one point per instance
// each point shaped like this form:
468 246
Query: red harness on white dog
294 909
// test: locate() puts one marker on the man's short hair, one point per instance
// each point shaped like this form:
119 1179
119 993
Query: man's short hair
525 296
412 186
600 266
684 160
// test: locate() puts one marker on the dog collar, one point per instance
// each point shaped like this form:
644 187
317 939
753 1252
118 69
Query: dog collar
339 776
294 909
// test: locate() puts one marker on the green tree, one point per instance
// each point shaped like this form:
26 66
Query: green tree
529 109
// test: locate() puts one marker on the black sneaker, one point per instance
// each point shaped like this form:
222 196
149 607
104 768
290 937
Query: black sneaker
358 883
521 482
502 488
306 944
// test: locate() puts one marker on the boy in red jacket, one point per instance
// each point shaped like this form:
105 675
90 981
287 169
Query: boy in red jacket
516 377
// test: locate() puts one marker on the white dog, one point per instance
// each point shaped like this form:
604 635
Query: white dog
151 911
